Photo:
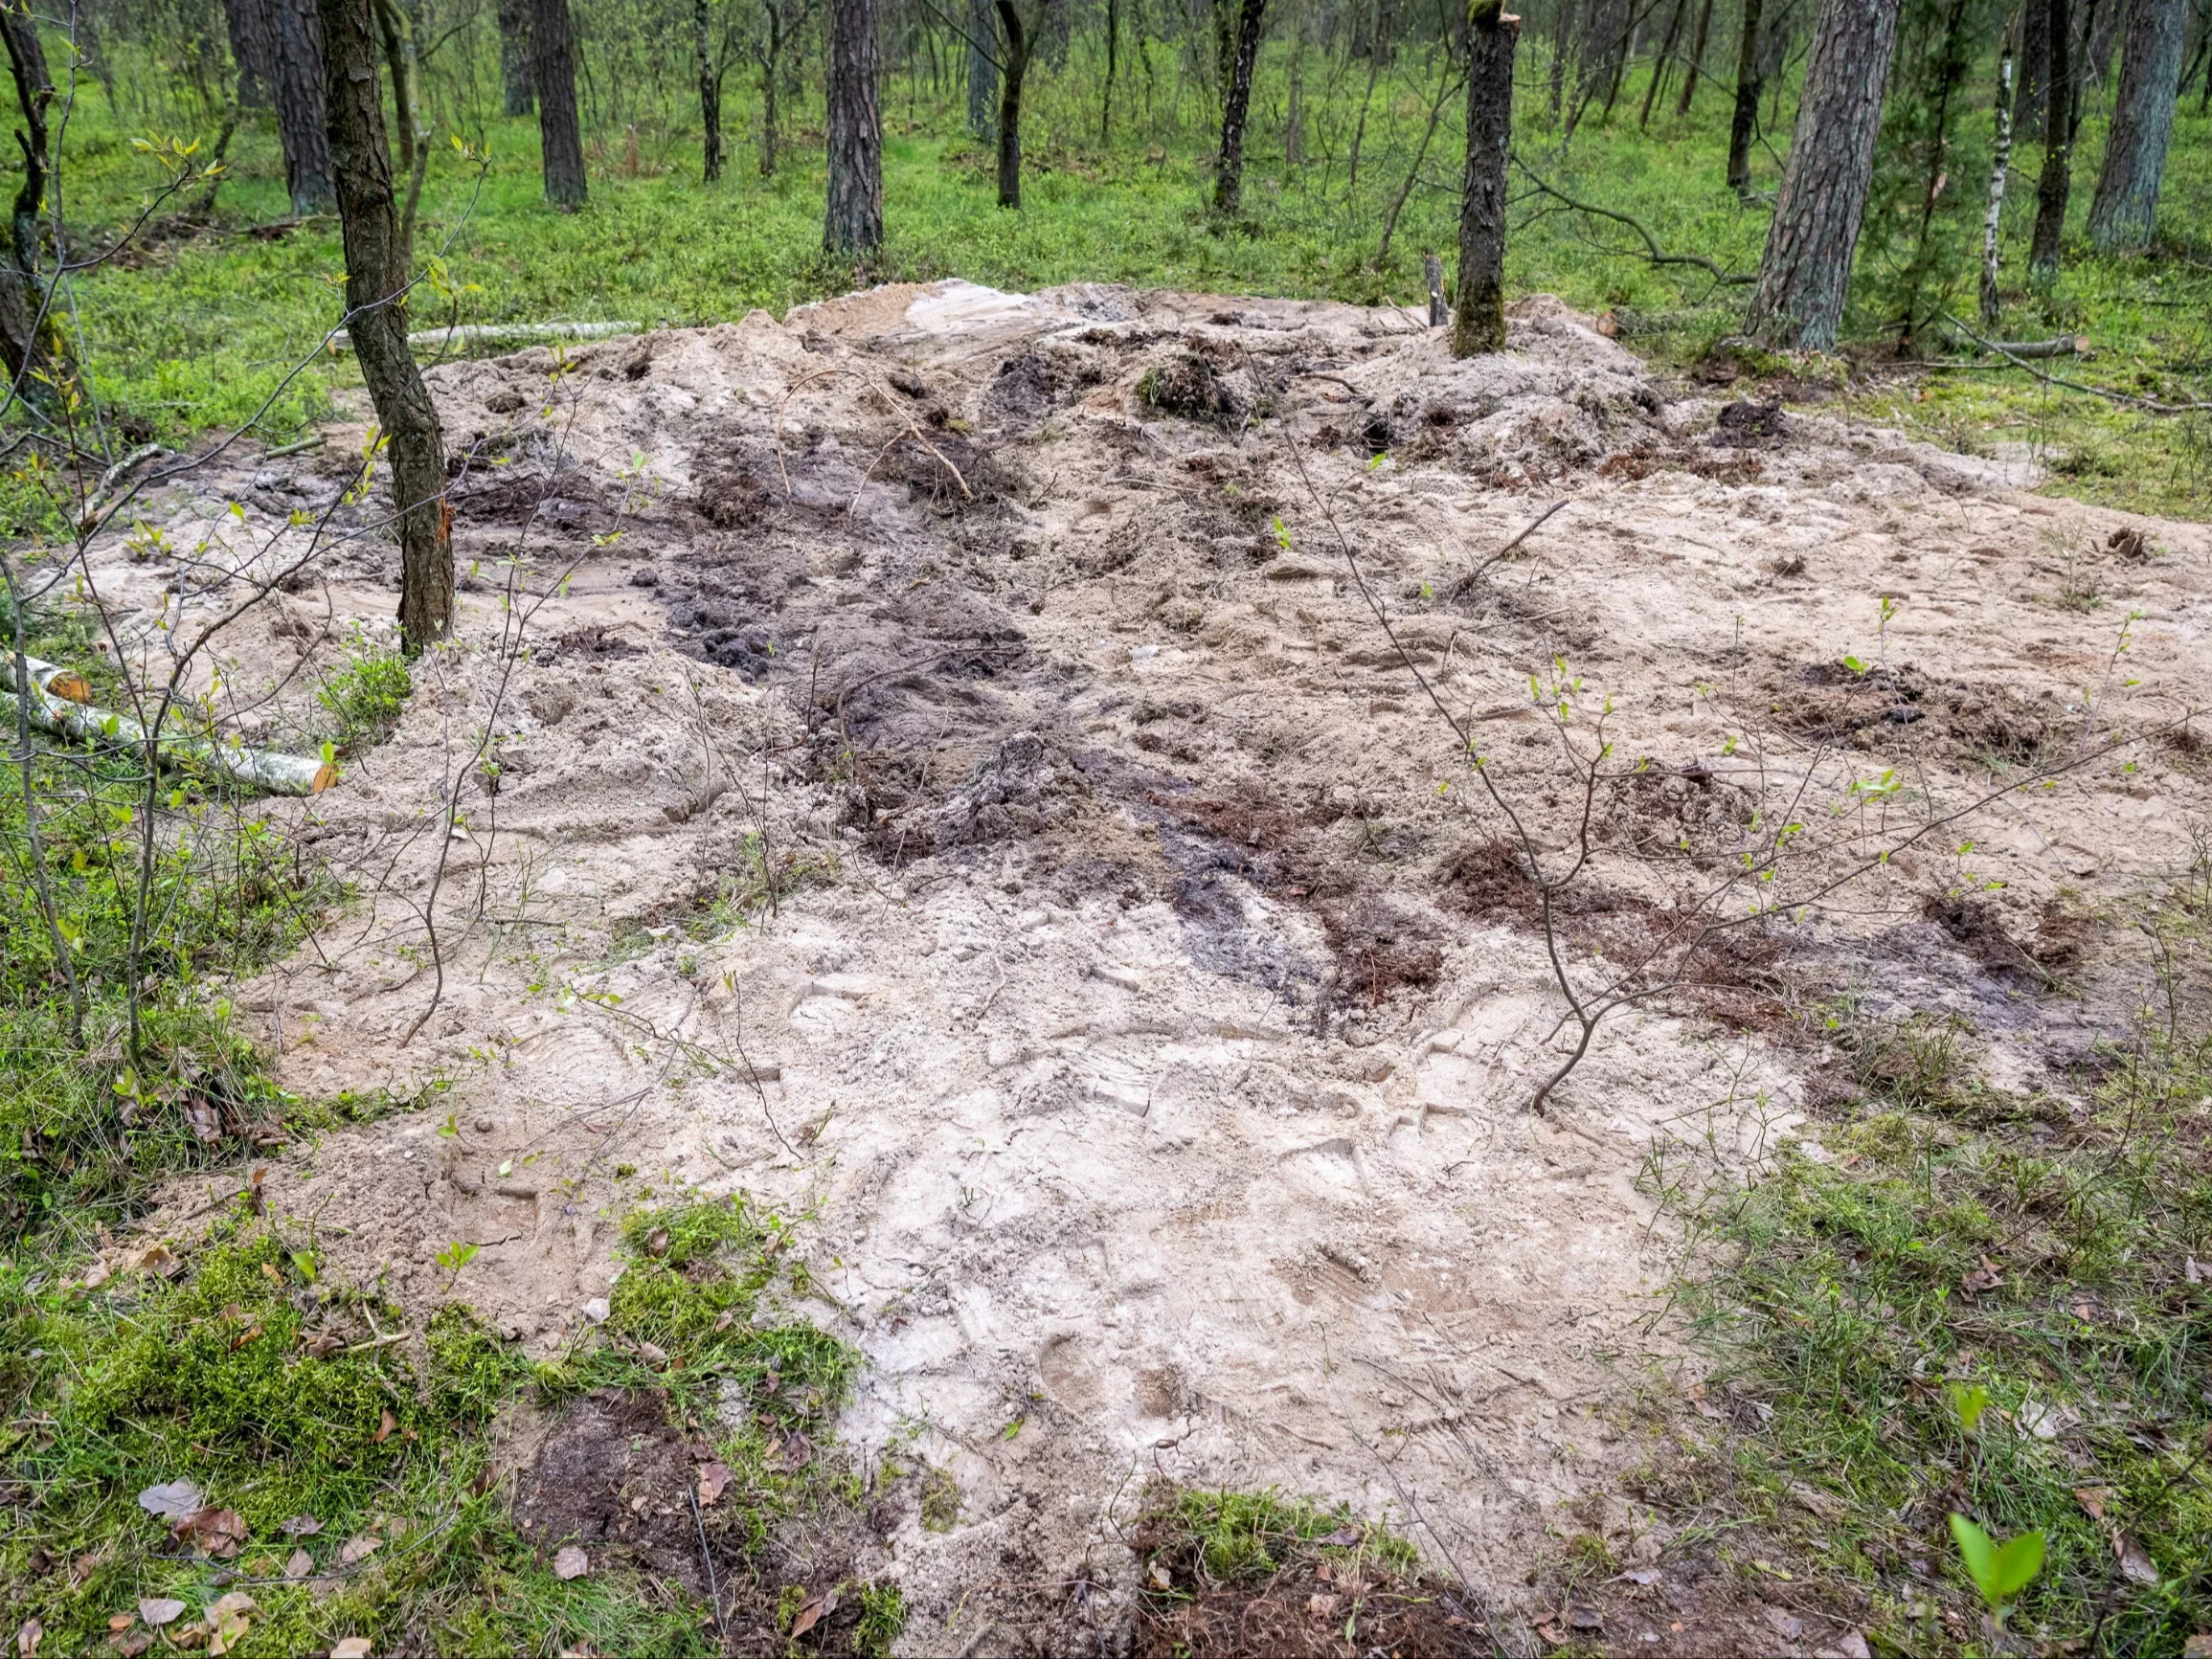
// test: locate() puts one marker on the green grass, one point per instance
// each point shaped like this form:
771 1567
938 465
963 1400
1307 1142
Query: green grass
1961 1243
207 325
1239 1537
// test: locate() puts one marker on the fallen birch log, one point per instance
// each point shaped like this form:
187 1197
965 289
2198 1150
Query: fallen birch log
472 333
59 703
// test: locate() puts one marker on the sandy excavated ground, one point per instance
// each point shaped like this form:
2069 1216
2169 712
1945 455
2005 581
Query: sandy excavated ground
1150 1027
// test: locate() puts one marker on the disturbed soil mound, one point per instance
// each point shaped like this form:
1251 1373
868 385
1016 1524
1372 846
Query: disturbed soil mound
934 764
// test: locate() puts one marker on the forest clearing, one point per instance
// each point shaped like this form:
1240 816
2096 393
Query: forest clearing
1160 936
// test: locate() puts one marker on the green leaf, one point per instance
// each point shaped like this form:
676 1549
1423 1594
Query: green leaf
1856 665
1969 1399
1999 1571
304 1261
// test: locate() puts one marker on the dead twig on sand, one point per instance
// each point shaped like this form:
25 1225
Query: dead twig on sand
912 431
1536 524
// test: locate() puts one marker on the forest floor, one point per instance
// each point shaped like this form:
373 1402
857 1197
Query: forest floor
937 766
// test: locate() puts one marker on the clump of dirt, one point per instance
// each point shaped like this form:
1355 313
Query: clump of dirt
611 1476
1191 387
1748 425
1835 702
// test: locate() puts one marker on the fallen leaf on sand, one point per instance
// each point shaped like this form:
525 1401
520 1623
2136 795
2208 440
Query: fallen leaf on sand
1343 1539
358 1549
173 1501
817 1609
160 1609
714 1480
570 1563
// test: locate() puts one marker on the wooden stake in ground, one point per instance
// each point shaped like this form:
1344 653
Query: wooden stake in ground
854 223
1798 303
1480 325
377 320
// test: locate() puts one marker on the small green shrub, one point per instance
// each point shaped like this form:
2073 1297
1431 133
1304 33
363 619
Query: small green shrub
366 694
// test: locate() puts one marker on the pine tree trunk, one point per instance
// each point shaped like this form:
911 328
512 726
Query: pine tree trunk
2032 71
1018 43
1806 270
399 56
1561 39
253 51
2126 207
1479 321
2055 182
297 37
27 338
1228 169
983 72
2000 164
854 226
709 90
1697 62
377 320
1745 123
517 79
1658 68
770 56
561 136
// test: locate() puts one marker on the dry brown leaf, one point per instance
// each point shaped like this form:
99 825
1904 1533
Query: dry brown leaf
301 1527
29 1636
215 1532
121 1620
173 1501
299 1566
229 1620
657 1242
714 1480
570 1563
132 1643
2092 1499
352 1648
2135 1560
385 1427
358 1549
160 1610
817 1609
1321 1607
1985 1277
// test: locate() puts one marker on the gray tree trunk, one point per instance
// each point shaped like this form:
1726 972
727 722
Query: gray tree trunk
253 51
1229 168
27 336
2055 184
982 72
560 135
1744 124
2126 207
1478 323
1806 270
853 225
377 320
517 79
298 37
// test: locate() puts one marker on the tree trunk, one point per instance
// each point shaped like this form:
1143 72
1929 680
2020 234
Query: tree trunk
1562 36
854 224
2032 70
1658 68
1479 325
1745 123
377 322
28 337
1806 270
770 56
298 38
2055 184
2000 163
983 72
1019 45
2126 205
1228 169
253 51
399 55
560 137
517 79
709 90
1294 124
1697 62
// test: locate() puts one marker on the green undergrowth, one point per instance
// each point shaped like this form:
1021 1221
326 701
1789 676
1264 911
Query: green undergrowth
307 1417
1977 1303
1229 1537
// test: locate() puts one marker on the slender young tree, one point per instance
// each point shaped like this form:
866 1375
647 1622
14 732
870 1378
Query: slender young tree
517 77
1806 269
400 56
1229 168
2055 184
28 342
709 89
2124 208
1999 165
377 320
853 225
1478 323
297 35
1744 124
1697 60
1018 45
553 74
982 72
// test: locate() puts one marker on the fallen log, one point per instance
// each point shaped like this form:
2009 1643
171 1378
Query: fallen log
59 703
472 333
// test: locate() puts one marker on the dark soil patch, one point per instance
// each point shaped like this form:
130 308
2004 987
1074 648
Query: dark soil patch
1832 702
1190 387
1748 425
611 1477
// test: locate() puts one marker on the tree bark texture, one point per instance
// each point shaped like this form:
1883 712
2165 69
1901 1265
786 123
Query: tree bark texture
253 50
1228 169
853 225
517 79
298 36
1743 126
1806 270
377 320
1478 323
2032 68
1019 45
2000 164
553 73
709 90
982 72
27 337
2126 207
2055 182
